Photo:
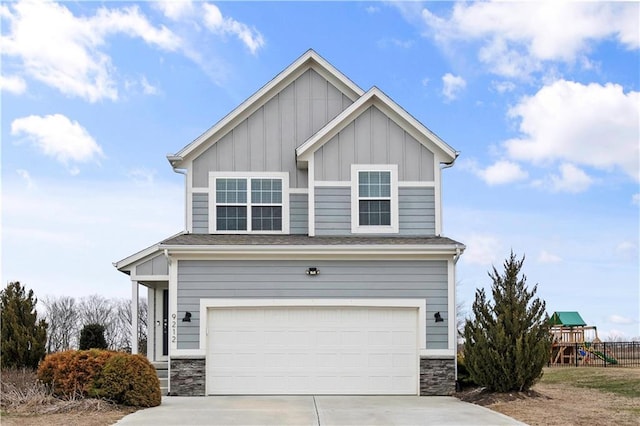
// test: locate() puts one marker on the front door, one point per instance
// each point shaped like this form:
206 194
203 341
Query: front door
165 322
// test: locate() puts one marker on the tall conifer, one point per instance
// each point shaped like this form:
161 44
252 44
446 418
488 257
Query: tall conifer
507 342
23 336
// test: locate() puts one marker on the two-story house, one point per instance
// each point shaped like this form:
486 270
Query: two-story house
313 260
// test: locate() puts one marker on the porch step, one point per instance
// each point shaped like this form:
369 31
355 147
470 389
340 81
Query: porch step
162 369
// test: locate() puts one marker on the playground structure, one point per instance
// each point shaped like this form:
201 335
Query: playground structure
575 343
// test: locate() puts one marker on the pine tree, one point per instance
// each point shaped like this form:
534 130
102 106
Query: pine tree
24 337
92 337
507 343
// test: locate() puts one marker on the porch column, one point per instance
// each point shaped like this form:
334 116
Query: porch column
134 317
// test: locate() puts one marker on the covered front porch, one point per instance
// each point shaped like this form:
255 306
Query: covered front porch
149 271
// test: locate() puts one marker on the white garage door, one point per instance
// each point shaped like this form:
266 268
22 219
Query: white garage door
312 350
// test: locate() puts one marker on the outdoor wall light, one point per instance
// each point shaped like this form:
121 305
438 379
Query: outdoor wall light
313 271
438 317
187 317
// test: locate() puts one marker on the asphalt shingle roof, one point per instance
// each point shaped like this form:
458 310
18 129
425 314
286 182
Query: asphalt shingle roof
302 240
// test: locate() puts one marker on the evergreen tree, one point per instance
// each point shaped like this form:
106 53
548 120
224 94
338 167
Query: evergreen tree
24 337
508 342
92 337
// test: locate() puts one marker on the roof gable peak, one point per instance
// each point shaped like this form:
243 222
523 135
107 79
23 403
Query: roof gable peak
309 60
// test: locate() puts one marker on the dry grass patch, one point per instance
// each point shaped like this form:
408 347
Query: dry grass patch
571 396
26 401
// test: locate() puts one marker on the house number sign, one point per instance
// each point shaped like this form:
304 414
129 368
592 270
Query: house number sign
173 328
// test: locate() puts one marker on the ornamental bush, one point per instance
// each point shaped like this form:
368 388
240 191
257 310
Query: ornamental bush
130 380
115 376
71 374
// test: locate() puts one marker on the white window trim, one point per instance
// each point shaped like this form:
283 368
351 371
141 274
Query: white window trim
355 205
248 175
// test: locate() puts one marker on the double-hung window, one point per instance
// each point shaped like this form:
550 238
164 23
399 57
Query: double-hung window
374 204
249 204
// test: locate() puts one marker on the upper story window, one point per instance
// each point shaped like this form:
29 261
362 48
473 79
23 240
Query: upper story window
374 199
249 204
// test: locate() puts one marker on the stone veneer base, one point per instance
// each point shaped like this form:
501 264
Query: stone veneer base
187 377
437 376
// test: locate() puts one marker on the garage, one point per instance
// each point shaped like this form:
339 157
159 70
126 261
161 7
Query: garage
312 350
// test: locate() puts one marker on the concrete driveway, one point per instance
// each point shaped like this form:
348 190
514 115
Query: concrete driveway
316 411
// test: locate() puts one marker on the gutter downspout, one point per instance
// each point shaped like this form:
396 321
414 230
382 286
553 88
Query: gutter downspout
173 160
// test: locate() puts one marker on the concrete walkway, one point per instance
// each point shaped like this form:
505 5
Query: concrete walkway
316 411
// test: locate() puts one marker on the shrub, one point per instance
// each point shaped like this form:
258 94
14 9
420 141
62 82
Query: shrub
115 376
464 378
92 337
22 335
130 380
71 374
508 341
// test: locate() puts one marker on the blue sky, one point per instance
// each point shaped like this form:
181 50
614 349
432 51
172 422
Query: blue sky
541 99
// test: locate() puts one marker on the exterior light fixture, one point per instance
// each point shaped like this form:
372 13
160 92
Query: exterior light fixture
187 317
313 271
438 317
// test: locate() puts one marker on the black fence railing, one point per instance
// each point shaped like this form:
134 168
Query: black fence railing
602 354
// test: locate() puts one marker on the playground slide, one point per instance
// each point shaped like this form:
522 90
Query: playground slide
602 356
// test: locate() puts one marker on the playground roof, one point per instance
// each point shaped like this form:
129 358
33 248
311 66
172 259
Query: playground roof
570 319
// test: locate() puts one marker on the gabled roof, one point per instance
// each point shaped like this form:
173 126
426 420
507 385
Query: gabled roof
309 60
125 265
569 319
375 96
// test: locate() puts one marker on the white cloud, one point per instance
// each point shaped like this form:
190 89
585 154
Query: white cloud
517 37
503 86
65 52
618 319
12 84
635 199
502 172
58 137
546 257
219 24
571 179
590 125
175 9
482 249
452 85
148 88
142 176
24 174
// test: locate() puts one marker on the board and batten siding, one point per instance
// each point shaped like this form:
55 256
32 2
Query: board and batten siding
207 279
155 266
267 139
416 209
373 138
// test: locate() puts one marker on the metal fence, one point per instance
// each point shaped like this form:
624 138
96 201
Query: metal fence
602 354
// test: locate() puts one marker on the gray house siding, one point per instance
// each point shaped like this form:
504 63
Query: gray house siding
298 214
333 210
417 211
373 138
208 279
155 266
200 210
416 207
267 139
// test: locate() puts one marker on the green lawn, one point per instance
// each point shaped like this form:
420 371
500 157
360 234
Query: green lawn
621 381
